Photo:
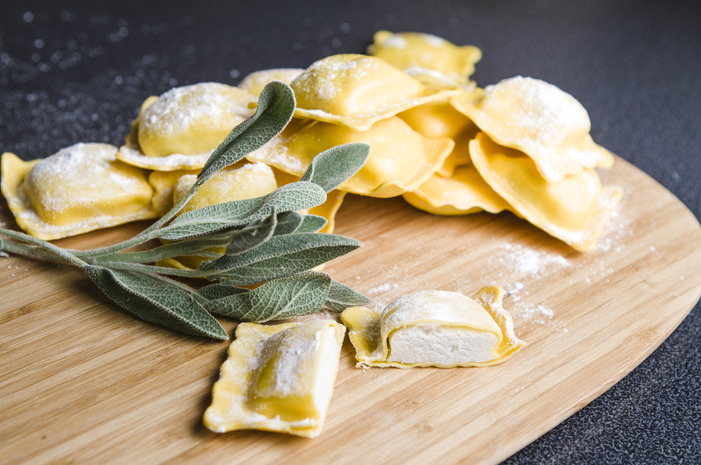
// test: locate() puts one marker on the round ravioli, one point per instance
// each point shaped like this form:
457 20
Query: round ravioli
400 159
426 53
357 91
80 188
462 193
256 81
180 129
540 120
573 210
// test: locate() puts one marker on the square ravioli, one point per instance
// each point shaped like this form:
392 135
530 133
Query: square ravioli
78 189
277 378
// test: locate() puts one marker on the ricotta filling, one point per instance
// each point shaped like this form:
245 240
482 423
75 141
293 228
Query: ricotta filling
440 345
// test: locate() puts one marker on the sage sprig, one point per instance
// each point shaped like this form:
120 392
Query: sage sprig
265 241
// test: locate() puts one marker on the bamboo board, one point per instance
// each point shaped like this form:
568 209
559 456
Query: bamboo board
83 382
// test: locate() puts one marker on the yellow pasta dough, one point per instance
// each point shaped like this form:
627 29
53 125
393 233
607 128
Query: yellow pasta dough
462 193
420 53
400 158
180 129
540 120
440 119
256 81
78 189
277 378
573 210
434 328
357 91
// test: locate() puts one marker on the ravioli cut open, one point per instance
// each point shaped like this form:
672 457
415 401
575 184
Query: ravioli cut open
540 120
180 129
425 53
400 158
434 328
357 91
574 210
277 378
80 188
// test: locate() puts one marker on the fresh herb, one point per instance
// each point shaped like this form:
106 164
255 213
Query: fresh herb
266 240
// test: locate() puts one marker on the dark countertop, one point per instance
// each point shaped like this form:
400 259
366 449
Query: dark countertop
78 71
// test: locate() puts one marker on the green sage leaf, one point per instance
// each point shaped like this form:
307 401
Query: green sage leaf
252 235
295 295
333 167
220 290
312 223
276 105
288 223
280 256
341 297
157 300
234 214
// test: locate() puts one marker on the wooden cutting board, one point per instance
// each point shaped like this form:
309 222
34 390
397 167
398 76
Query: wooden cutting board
83 382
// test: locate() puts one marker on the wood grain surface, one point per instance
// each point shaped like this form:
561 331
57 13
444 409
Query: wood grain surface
83 382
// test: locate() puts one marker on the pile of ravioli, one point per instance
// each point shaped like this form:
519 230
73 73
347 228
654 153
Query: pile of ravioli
445 145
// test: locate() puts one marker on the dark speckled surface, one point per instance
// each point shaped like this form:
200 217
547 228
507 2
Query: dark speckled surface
77 71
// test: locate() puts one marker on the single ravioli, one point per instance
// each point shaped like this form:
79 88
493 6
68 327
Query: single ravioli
277 378
80 188
357 91
573 210
256 81
421 53
539 119
434 328
180 129
400 158
462 193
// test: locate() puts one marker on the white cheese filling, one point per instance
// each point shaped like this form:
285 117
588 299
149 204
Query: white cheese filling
440 345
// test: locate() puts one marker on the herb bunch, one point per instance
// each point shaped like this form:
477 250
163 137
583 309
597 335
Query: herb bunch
266 241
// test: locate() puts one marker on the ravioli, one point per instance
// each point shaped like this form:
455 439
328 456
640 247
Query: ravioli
421 53
434 328
277 378
462 193
400 159
540 120
573 210
78 189
357 91
180 129
256 81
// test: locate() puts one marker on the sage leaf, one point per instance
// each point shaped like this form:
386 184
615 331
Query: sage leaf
312 223
252 235
333 167
276 105
279 256
288 223
295 295
341 297
157 300
197 247
228 215
219 290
